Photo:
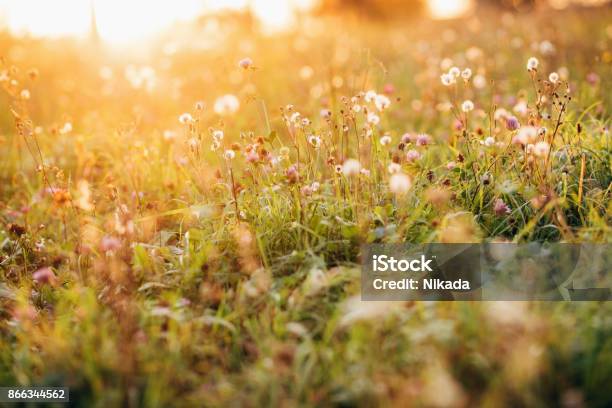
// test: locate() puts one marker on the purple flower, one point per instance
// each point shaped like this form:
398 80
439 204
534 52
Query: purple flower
500 208
512 123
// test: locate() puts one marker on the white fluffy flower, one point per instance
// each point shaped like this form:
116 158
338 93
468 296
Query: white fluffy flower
532 64
185 118
385 140
229 154
541 149
373 119
399 183
226 105
351 167
467 106
466 74
381 102
553 77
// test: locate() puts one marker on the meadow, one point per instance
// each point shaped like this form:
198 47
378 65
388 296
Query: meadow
181 225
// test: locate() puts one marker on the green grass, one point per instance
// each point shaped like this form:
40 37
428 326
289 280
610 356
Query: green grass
182 278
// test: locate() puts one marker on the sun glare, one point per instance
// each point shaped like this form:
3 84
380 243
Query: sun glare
125 21
444 9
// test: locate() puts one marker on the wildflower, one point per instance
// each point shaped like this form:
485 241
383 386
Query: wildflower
315 186
252 156
455 72
542 131
423 139
500 113
393 168
110 243
553 77
351 167
338 169
447 79
412 155
217 135
369 96
385 140
381 102
451 165
365 172
25 94
84 201
532 64
356 108
226 105
315 141
547 48
185 118
292 174
325 113
512 123
541 149
525 135
193 143
521 108
169 134
229 154
373 118
467 106
44 276
500 207
306 191
466 74
489 141
388 89
67 128
199 105
479 81
400 183
245 63
407 138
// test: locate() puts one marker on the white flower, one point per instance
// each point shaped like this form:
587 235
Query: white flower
525 135
356 108
217 135
381 102
466 74
553 77
365 172
226 105
185 118
25 94
399 183
489 141
447 79
315 141
67 128
351 167
369 96
393 168
532 64
541 149
455 72
467 106
325 113
373 118
521 108
479 81
229 154
385 140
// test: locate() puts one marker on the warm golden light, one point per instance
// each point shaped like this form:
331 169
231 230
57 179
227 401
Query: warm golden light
125 21
443 9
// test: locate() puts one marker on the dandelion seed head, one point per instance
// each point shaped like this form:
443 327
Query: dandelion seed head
532 64
351 167
400 184
226 105
385 140
185 118
229 154
467 106
466 74
553 77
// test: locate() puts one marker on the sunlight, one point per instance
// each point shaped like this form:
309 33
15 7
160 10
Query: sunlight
126 21
443 9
